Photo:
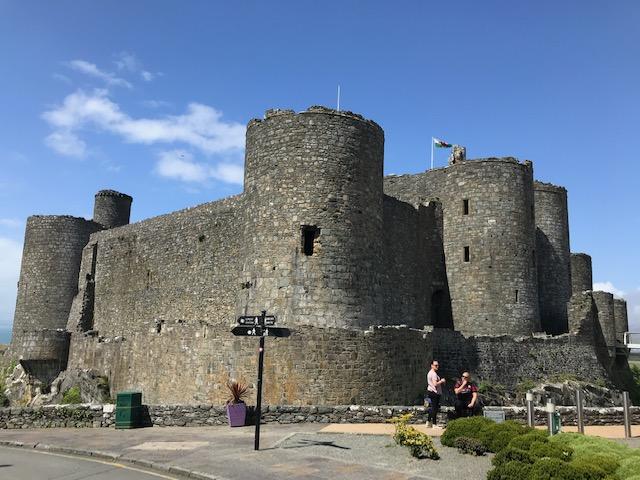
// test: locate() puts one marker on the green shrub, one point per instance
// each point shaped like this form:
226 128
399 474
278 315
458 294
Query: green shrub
554 469
588 471
497 436
470 427
511 471
524 442
585 445
551 450
629 467
608 464
511 454
420 444
470 446
72 395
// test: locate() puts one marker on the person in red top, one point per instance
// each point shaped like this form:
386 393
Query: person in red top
466 396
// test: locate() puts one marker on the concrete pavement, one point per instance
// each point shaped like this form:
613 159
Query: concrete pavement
293 451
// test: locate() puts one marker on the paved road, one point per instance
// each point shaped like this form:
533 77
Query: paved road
18 464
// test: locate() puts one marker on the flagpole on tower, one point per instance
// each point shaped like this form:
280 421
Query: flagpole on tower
431 153
338 97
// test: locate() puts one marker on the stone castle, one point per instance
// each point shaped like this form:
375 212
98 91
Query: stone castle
374 275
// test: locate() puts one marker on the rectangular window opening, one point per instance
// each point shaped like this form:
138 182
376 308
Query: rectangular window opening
309 235
516 296
467 255
465 206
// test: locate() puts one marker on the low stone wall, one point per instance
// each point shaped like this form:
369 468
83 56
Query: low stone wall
98 416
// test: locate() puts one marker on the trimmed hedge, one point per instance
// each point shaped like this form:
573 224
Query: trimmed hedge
496 437
511 454
470 446
524 442
511 471
470 427
551 450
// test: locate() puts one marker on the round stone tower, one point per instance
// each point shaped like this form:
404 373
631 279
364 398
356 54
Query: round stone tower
313 228
48 277
581 273
553 256
489 244
621 318
606 318
112 209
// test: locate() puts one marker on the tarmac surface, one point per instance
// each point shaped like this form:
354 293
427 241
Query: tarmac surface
293 451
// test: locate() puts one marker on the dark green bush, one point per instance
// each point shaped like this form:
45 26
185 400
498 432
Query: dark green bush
497 436
511 471
470 427
471 446
589 471
551 450
523 442
511 454
555 469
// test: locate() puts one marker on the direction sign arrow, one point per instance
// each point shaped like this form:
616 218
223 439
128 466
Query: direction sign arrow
247 330
277 332
256 320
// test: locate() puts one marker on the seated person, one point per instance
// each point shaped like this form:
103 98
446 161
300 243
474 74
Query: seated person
466 396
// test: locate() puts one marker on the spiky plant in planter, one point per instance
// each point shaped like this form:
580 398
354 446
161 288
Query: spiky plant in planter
236 408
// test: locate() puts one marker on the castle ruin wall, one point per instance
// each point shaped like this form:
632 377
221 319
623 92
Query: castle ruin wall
313 233
606 318
581 273
553 257
48 276
489 241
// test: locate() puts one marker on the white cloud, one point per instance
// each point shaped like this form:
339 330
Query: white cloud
129 62
200 127
66 143
607 287
147 76
633 310
179 165
62 78
92 70
10 255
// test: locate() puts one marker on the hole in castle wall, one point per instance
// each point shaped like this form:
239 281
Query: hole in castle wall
465 206
517 296
467 254
309 235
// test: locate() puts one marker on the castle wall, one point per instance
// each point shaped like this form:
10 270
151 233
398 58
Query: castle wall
404 266
620 317
322 170
606 317
494 289
552 256
48 275
111 209
581 273
177 268
507 361
314 366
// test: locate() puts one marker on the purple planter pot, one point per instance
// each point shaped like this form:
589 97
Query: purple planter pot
236 413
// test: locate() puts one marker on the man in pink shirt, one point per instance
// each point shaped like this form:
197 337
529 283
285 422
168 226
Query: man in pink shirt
434 392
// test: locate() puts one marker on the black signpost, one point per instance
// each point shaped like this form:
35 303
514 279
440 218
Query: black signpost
259 326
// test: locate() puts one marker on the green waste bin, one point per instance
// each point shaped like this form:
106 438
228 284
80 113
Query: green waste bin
128 409
556 425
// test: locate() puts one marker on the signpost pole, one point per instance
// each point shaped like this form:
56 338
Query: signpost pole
256 445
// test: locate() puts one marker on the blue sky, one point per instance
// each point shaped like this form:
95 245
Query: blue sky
151 98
